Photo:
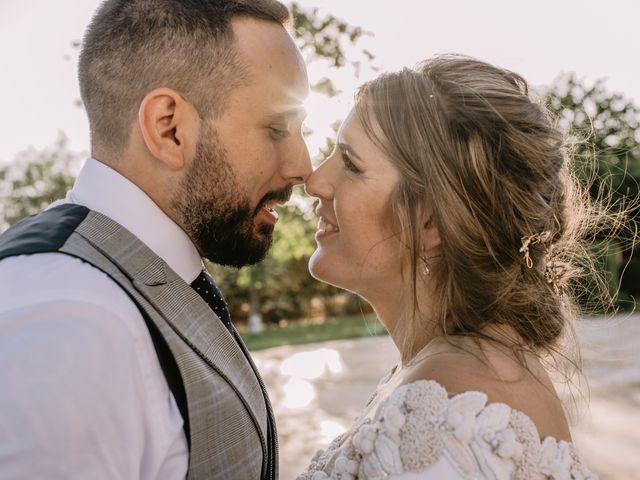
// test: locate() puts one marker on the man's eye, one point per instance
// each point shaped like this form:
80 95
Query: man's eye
279 132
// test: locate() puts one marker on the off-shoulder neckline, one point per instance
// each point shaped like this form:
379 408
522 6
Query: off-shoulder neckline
451 396
418 423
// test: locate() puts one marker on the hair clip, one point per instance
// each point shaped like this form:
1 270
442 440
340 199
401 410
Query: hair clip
527 241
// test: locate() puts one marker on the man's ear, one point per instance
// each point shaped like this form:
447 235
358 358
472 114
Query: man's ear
170 127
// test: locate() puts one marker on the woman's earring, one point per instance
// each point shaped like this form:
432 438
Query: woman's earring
423 259
425 267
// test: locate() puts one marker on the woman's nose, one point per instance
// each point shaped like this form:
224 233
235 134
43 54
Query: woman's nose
319 183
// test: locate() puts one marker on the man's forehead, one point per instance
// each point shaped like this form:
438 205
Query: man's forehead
267 50
264 44
282 95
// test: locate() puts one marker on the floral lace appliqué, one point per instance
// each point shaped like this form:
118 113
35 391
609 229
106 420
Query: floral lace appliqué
418 424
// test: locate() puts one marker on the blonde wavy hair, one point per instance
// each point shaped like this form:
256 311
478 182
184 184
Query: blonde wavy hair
484 156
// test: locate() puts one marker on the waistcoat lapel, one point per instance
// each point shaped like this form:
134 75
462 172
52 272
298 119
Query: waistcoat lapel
182 308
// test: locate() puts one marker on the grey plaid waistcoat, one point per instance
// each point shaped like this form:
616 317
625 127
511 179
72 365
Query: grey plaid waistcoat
230 424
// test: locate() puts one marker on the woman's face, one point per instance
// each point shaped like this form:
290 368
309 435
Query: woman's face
359 246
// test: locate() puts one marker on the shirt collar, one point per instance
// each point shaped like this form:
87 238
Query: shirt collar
100 188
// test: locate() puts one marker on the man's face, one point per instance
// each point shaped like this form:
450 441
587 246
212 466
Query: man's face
249 157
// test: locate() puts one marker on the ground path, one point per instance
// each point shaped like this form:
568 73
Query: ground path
318 389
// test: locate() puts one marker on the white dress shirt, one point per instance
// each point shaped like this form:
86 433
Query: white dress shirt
82 394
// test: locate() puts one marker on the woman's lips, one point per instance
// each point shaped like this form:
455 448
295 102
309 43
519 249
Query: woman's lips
325 228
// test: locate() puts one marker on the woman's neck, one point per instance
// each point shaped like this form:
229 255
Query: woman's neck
410 325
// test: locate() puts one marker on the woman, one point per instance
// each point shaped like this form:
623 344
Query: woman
448 205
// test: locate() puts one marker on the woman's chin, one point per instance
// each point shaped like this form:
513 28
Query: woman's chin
316 266
324 270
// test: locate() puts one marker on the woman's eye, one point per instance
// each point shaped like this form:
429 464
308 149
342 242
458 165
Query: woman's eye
348 164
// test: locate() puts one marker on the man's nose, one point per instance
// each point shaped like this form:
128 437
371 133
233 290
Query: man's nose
297 166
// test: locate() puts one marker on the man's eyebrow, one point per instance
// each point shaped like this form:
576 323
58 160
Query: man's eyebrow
345 147
289 114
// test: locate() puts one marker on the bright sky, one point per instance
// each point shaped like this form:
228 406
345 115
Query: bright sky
540 39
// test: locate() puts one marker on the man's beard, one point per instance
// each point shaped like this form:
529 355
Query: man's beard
216 213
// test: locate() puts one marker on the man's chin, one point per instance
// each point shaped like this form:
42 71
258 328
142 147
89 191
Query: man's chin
246 252
261 245
264 231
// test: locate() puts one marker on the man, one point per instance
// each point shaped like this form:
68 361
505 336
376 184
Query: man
117 357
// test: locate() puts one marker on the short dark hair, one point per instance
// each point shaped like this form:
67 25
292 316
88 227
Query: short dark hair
134 46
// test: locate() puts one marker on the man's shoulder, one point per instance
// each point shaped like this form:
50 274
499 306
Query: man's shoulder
55 282
45 232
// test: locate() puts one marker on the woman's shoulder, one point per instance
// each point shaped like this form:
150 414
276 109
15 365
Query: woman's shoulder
420 424
481 439
501 378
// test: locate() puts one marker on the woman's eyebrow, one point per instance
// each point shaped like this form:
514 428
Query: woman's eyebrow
345 147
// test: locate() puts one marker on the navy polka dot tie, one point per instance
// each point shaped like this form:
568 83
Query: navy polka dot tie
209 292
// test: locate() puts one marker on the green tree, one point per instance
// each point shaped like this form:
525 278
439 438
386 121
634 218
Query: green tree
324 37
605 128
35 179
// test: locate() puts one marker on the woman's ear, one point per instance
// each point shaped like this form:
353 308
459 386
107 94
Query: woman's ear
170 127
429 234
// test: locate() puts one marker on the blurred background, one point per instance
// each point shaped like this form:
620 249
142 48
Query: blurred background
580 57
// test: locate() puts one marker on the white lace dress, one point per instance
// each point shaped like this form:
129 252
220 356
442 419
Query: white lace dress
419 433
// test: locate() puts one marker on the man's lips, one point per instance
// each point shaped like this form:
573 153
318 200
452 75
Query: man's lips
267 211
268 214
269 207
272 199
